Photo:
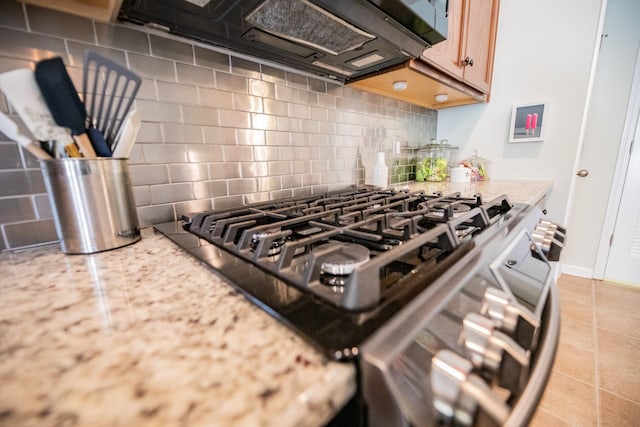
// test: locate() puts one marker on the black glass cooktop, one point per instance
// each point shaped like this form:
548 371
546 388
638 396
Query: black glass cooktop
335 331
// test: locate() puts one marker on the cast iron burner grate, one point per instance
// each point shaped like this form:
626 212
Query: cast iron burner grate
401 230
273 253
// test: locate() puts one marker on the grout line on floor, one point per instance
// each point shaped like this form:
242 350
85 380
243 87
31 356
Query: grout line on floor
596 377
621 397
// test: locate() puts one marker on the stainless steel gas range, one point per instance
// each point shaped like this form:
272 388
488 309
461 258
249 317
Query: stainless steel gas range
447 305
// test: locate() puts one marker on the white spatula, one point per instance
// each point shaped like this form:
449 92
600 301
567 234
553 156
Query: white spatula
22 91
127 136
10 129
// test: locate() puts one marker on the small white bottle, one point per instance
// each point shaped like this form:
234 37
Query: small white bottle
380 171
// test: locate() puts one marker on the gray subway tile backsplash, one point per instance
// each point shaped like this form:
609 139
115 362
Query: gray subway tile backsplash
188 172
171 49
216 98
231 82
21 182
167 193
20 234
209 189
191 134
120 37
12 16
148 174
77 49
28 46
194 75
211 59
177 93
9 154
197 115
152 111
16 209
244 67
48 21
153 214
217 130
155 68
43 206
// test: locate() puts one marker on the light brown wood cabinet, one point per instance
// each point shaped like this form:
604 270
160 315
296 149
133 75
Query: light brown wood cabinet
467 54
100 10
460 67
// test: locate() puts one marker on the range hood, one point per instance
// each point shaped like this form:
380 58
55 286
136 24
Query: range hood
340 39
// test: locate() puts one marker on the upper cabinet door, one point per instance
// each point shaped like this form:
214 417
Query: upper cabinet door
480 42
447 55
467 54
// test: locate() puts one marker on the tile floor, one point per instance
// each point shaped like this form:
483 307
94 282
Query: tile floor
596 376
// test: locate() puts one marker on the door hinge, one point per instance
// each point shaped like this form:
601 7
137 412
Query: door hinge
602 37
633 141
611 240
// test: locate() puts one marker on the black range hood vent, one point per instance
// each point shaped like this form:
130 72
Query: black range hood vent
337 39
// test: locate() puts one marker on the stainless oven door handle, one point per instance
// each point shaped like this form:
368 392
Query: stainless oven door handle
458 393
540 371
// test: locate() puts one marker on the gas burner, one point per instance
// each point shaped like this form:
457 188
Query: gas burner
276 245
448 210
339 260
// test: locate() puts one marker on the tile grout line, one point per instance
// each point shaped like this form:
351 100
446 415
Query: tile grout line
595 354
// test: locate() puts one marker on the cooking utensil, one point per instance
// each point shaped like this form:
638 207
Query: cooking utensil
22 91
63 100
112 91
99 144
10 129
127 136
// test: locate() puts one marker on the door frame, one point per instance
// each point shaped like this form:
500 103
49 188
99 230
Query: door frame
620 173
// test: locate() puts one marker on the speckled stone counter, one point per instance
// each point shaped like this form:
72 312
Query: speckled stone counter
526 191
144 335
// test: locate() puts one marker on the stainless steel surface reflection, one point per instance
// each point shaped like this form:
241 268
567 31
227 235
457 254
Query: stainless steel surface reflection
92 201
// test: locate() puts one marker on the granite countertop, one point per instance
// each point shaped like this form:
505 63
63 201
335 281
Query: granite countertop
145 335
525 191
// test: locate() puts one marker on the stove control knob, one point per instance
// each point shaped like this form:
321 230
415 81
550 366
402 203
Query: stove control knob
458 394
511 317
553 226
495 352
548 233
549 246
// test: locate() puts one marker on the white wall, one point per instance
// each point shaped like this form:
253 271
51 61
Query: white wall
544 52
603 135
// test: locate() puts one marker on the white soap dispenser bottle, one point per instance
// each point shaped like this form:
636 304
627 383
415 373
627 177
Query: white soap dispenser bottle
380 171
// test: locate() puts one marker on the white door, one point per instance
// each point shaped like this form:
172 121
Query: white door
613 82
623 263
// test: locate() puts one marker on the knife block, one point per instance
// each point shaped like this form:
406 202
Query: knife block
92 201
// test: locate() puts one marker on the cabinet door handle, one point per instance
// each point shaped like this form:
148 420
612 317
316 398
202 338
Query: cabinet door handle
468 61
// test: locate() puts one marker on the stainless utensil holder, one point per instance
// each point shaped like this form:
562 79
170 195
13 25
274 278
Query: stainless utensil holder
92 201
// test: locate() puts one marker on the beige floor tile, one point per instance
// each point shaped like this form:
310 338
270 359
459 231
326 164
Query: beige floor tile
576 362
544 418
618 357
570 400
576 333
618 412
575 289
623 323
576 311
624 298
617 289
618 309
575 280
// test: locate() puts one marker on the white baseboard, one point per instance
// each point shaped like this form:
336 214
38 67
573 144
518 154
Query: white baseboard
577 271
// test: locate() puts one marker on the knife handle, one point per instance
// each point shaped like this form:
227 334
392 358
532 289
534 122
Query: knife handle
85 145
72 149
